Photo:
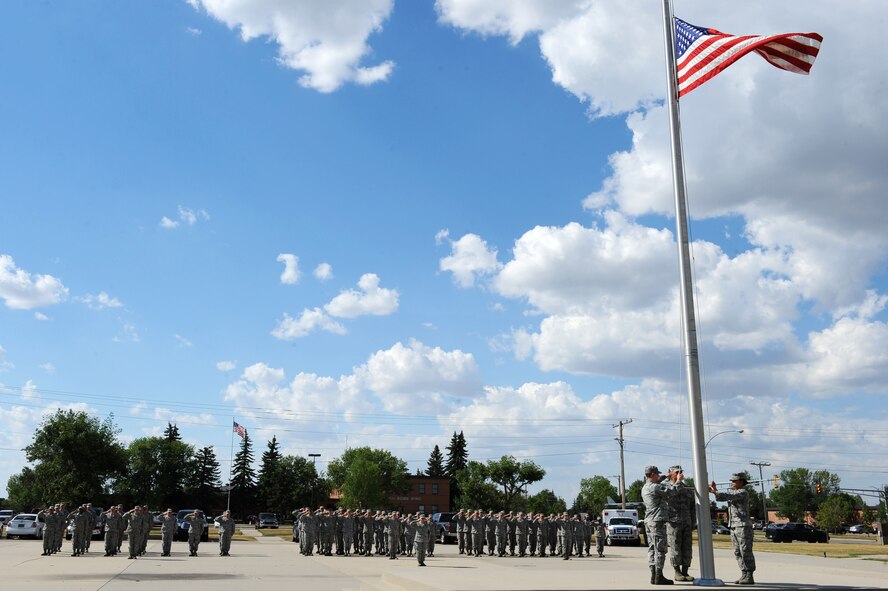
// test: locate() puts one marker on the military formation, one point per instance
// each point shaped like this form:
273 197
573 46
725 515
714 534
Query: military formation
670 516
479 533
135 523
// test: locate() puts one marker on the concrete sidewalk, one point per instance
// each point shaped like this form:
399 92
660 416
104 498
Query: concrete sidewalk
271 564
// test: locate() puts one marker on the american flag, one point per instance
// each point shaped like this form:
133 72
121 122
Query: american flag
240 429
701 52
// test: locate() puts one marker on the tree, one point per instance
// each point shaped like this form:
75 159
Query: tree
243 476
546 502
268 481
836 510
76 459
436 464
513 476
293 482
593 495
633 491
24 491
171 433
476 491
457 458
203 481
156 471
798 493
366 477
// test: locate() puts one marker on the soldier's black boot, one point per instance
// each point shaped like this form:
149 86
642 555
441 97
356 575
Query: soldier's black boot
653 575
661 580
687 577
677 575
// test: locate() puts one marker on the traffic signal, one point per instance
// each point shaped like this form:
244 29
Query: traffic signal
775 481
818 488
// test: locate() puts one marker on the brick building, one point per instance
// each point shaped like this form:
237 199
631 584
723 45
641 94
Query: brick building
426 495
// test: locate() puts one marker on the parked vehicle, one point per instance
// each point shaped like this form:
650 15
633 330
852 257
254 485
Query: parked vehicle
25 525
268 520
720 529
758 524
182 527
801 532
98 532
861 529
6 515
621 526
446 523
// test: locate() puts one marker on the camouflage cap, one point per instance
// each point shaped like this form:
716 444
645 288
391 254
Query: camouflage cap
651 470
676 468
740 476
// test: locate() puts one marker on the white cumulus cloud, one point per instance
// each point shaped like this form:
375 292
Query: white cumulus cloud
327 43
290 274
323 272
368 299
470 259
21 290
290 328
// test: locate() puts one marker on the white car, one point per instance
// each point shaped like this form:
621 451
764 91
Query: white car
25 525
6 515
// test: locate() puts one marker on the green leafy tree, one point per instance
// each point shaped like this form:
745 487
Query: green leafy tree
836 510
243 476
797 495
76 459
436 464
366 477
203 481
593 495
513 476
476 489
457 459
25 491
156 471
546 502
293 482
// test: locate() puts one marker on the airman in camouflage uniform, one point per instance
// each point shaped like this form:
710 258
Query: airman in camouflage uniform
134 526
682 510
226 531
48 516
113 530
655 495
421 540
195 531
461 530
739 523
490 532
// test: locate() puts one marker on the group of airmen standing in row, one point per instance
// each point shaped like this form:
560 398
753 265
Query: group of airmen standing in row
389 532
670 517
563 535
135 523
393 534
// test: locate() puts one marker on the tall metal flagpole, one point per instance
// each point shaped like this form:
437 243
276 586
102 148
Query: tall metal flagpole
230 464
692 363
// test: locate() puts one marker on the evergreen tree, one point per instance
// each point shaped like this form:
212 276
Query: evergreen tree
171 433
204 480
269 479
243 476
457 459
436 464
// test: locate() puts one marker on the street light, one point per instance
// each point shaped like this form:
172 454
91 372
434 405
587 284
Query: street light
721 433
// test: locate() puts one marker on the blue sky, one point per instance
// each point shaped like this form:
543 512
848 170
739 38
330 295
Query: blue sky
426 216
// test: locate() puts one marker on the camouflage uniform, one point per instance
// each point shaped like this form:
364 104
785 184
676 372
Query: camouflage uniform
421 540
655 495
168 526
681 512
740 525
195 531
226 531
113 530
49 519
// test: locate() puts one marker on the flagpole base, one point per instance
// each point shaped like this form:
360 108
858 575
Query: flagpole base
708 582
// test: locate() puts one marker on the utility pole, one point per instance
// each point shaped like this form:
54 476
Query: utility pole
622 466
762 482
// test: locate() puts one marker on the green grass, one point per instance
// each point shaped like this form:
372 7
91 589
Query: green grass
762 544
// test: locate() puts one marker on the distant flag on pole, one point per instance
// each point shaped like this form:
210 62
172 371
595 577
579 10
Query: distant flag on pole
239 429
701 52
